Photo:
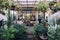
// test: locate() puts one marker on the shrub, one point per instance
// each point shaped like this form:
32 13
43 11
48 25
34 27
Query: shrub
8 34
21 34
43 6
54 34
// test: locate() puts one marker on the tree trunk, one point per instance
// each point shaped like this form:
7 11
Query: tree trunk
44 17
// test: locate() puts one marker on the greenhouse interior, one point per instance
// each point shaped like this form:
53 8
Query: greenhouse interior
29 19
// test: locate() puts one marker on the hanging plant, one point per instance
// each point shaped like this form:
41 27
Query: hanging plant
57 7
52 3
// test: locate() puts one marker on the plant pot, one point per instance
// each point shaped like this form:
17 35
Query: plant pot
43 37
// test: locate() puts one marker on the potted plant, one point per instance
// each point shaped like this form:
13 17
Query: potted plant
54 34
43 7
21 34
41 31
8 34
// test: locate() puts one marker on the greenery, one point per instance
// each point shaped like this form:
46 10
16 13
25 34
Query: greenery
18 32
21 34
32 17
42 30
13 32
57 7
3 5
58 21
52 3
43 6
51 33
8 34
9 21
54 34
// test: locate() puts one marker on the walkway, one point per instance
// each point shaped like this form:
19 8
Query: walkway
31 36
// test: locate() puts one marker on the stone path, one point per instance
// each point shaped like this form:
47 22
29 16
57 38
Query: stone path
31 36
29 29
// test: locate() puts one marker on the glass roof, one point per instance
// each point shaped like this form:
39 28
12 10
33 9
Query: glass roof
29 3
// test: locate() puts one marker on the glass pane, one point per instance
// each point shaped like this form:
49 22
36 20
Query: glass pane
30 3
31 0
21 0
49 0
15 0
